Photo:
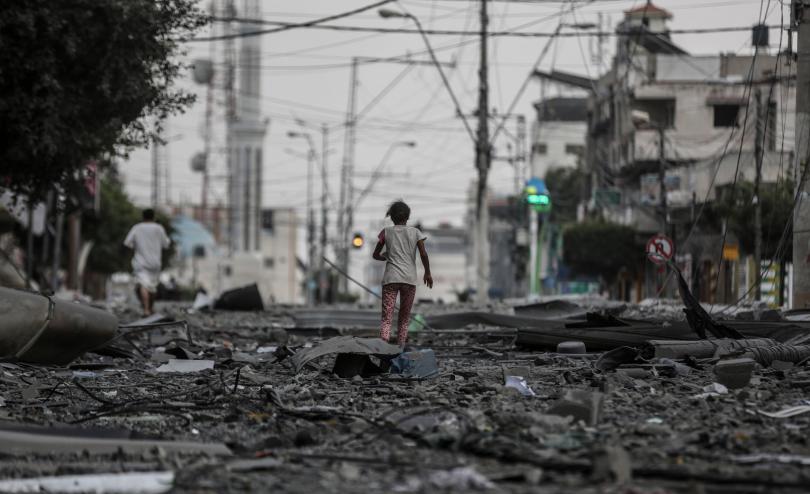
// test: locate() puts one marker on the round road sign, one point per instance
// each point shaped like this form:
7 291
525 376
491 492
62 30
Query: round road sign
660 249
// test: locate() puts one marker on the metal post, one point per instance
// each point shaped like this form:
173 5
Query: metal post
801 214
322 282
57 246
482 160
29 247
534 218
310 282
758 151
347 172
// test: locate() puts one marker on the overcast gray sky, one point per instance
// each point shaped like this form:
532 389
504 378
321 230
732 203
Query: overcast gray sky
305 75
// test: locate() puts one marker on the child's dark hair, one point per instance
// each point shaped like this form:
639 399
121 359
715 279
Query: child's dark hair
399 212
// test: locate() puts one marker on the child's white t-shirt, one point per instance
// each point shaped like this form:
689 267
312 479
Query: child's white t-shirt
400 247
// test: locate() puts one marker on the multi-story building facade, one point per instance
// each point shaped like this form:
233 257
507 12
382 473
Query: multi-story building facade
662 113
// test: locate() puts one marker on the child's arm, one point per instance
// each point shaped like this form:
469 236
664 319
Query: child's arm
378 255
425 262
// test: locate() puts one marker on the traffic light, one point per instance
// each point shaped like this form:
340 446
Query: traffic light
537 195
358 241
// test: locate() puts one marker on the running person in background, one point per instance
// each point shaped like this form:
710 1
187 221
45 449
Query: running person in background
401 243
147 239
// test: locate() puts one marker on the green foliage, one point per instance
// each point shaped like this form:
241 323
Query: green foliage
736 206
565 186
82 79
598 248
108 229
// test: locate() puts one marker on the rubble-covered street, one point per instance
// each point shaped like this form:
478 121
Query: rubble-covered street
251 423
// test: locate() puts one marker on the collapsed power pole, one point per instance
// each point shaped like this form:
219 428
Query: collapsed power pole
800 17
482 163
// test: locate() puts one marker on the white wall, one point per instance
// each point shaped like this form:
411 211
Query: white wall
555 135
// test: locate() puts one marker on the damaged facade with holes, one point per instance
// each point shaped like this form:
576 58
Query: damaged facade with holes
704 109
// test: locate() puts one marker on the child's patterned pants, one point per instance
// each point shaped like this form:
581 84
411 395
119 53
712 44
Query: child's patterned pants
389 301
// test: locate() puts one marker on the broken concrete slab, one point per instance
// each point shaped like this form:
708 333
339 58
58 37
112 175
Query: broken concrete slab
15 442
117 483
44 330
579 404
183 365
735 373
344 344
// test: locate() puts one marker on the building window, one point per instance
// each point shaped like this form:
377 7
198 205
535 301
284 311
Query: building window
575 149
269 262
661 111
726 115
267 220
539 148
226 270
771 132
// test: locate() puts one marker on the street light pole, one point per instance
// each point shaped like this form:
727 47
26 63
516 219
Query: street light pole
310 272
322 280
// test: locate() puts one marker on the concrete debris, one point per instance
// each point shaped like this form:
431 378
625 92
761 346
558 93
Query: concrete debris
272 416
461 478
735 373
42 442
183 365
585 406
113 483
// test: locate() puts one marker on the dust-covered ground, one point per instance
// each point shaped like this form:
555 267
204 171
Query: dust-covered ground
460 431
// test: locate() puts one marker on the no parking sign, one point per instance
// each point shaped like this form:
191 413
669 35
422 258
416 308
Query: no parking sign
660 249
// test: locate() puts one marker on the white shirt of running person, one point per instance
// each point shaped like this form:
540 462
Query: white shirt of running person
147 239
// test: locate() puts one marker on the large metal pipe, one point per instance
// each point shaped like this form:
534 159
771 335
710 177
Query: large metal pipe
42 330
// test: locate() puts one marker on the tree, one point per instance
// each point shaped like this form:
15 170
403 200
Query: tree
599 248
735 204
83 79
110 226
565 187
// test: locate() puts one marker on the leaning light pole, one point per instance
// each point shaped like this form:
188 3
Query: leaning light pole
483 155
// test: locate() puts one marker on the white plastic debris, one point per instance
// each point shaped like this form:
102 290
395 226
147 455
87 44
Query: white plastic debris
183 365
713 389
462 478
118 483
787 412
519 383
201 301
266 349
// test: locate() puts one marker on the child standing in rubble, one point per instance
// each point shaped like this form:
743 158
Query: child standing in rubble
400 277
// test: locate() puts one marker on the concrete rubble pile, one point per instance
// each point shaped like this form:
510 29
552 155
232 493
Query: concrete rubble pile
244 401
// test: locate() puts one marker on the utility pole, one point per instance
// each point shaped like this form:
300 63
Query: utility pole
662 178
322 279
310 282
758 151
155 174
801 214
482 160
346 179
